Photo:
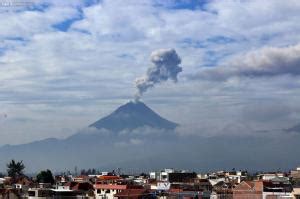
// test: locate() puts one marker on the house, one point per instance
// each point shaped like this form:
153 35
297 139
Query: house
81 178
61 179
161 175
237 176
64 193
184 190
108 190
279 187
203 184
179 177
170 175
73 190
43 185
296 173
248 189
108 186
135 194
214 179
58 193
84 188
295 176
270 176
69 190
296 191
35 193
224 190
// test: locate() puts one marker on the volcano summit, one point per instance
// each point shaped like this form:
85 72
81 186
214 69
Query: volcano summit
133 115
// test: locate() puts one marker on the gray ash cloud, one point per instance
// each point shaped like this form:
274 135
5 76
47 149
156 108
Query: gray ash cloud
165 66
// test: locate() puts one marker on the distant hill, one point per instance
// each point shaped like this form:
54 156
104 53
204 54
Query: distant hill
295 128
133 115
193 153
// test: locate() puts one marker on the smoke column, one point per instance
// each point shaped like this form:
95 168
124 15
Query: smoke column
165 66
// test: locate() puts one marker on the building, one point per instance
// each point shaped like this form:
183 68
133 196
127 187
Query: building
237 176
108 186
279 187
161 175
170 175
270 176
35 193
179 177
248 190
296 191
295 174
135 194
224 190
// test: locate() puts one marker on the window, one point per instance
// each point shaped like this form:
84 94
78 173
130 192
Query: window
31 193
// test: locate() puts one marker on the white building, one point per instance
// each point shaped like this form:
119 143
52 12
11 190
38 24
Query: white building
38 193
236 175
269 176
107 191
161 175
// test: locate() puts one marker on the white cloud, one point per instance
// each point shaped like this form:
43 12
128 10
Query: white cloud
129 143
27 23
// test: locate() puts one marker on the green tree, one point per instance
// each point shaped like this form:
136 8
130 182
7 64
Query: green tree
15 169
45 177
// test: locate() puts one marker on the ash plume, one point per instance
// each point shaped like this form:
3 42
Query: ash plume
165 66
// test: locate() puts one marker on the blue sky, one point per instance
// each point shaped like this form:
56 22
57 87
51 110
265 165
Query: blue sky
66 64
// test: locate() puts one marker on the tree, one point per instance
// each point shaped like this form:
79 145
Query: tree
88 172
15 169
45 177
83 172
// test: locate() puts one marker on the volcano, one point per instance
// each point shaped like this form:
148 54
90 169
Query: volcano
133 115
73 150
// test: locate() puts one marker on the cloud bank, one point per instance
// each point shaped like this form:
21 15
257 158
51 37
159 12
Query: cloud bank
266 62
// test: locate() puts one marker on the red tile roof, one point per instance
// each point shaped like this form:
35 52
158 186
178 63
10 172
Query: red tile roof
109 178
132 193
110 186
85 186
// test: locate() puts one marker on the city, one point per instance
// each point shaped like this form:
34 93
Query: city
162 184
